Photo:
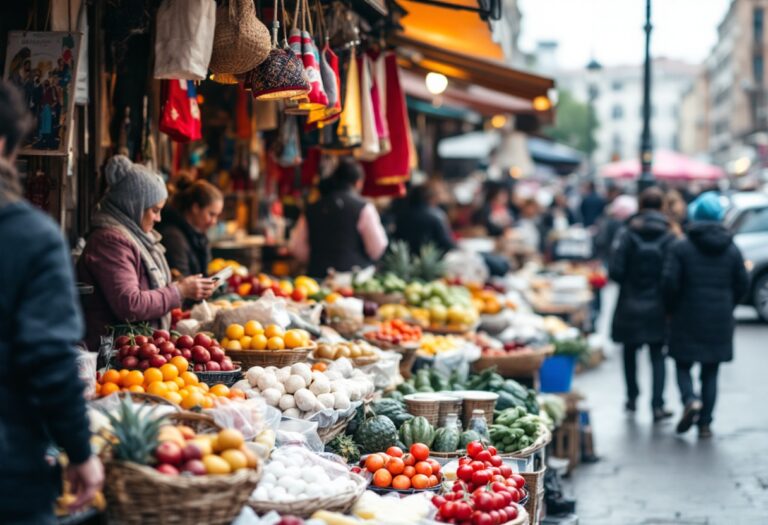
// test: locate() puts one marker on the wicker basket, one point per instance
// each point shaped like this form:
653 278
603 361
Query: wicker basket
545 437
277 358
450 405
137 495
424 405
328 433
200 423
521 363
477 400
229 377
305 508
534 482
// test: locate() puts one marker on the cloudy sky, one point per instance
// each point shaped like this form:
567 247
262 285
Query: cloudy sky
612 30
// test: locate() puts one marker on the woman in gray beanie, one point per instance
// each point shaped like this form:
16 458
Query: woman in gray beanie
124 259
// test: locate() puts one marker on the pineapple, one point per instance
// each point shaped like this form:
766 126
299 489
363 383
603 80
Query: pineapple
428 266
345 447
398 261
136 431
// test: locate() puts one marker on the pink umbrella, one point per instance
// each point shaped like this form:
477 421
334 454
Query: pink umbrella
667 165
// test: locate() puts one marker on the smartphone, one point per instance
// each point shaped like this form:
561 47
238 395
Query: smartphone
222 276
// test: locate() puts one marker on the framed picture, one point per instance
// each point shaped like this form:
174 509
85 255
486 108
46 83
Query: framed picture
43 65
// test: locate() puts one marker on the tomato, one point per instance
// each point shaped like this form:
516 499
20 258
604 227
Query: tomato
499 501
435 466
457 486
515 494
409 460
395 452
498 486
505 470
382 478
481 518
420 451
420 481
374 462
422 467
409 471
477 465
448 511
433 481
438 501
395 466
502 515
496 461
494 471
519 480
481 477
474 448
498 477
492 450
495 516
463 511
512 512
401 482
483 455
464 460
484 501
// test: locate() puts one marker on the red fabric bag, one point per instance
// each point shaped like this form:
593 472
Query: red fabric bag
180 116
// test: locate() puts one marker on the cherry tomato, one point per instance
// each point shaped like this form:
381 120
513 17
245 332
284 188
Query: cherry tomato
496 461
483 455
463 511
503 515
484 501
450 496
499 486
512 512
481 477
395 452
519 480
516 494
474 448
493 450
499 502
448 511
477 465
420 451
438 501
495 471
505 470
464 473
464 460
498 477
481 518
495 516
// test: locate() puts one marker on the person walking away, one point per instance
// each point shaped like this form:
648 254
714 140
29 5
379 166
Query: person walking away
556 220
677 211
704 279
621 208
342 230
195 208
41 397
636 265
421 221
592 205
124 260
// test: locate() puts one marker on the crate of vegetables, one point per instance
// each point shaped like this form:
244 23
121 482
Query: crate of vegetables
398 336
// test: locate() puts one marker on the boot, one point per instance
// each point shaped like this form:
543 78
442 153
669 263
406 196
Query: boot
690 416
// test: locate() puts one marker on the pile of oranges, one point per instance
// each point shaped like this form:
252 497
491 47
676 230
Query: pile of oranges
173 382
253 336
412 470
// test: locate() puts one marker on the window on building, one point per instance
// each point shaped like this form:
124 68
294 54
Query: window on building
758 68
757 24
617 112
617 85
616 144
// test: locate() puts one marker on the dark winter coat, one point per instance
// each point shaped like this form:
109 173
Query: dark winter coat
420 225
186 249
639 317
41 399
704 279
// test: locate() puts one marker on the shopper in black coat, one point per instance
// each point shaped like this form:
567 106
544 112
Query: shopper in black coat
704 279
636 264
41 397
421 221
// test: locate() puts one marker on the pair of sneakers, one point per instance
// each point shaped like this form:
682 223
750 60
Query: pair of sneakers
690 417
659 414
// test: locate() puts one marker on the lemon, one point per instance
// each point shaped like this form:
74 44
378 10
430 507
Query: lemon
235 331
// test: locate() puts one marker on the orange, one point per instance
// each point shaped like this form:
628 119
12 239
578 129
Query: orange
171 386
181 363
409 471
207 402
152 374
235 458
235 331
179 381
190 378
234 345
169 372
183 392
382 478
174 397
320 367
133 378
251 458
236 393
374 462
276 343
409 460
401 482
136 389
204 386
192 400
420 481
253 328
109 388
245 342
395 466
422 467
157 388
332 298
258 342
123 373
433 480
274 330
230 438
216 465
294 339
111 376
97 388
219 390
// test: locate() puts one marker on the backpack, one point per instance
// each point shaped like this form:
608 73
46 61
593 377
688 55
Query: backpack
647 259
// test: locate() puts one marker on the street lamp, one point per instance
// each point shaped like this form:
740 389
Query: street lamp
646 143
593 72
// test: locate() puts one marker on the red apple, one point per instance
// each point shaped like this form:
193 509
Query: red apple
133 350
203 340
123 352
167 347
186 354
185 341
195 467
123 340
217 354
176 352
147 350
227 365
192 451
169 452
199 367
129 362
157 361
168 470
161 333
143 364
200 354
140 339
167 357
297 296
212 366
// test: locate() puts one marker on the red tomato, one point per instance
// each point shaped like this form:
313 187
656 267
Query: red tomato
498 486
499 501
483 455
502 515
448 511
505 470
496 461
477 465
474 448
484 501
464 460
495 516
409 460
435 466
498 477
420 451
519 480
481 477
395 452
463 511
512 512
438 501
493 450
515 493
464 473
481 518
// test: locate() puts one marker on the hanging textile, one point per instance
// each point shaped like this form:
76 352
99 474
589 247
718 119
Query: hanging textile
293 180
180 117
378 94
242 119
350 130
369 148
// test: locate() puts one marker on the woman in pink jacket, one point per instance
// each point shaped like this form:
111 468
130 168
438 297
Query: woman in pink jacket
124 259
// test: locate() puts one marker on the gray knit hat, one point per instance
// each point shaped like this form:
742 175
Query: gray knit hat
132 188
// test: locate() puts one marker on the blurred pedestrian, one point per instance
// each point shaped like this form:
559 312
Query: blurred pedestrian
621 208
557 219
40 323
421 221
704 279
592 205
496 214
636 264
676 210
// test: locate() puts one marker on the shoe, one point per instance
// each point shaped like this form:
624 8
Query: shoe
629 406
659 414
705 432
690 416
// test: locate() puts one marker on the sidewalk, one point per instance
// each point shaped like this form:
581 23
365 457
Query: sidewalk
647 475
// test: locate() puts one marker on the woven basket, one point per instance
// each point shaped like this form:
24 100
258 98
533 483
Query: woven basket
449 406
545 437
469 405
240 41
305 508
138 495
521 363
534 482
427 408
264 358
328 433
228 378
200 423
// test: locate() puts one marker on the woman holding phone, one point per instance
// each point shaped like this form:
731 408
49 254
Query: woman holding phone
124 259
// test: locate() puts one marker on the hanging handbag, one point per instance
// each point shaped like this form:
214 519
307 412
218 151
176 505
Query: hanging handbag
281 75
369 147
329 71
241 41
180 114
184 39
350 130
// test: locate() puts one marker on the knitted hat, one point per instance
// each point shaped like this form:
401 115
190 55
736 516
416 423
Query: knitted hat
706 207
133 188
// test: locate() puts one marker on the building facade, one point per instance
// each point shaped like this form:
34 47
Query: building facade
694 125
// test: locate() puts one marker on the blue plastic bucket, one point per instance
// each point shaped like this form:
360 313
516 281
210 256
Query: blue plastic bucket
556 373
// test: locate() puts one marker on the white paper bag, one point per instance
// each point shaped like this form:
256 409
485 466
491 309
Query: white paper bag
184 39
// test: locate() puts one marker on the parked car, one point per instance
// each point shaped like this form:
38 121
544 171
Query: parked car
747 218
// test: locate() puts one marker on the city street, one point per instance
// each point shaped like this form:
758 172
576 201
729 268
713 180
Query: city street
649 475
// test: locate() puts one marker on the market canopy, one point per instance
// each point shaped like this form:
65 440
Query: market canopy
667 165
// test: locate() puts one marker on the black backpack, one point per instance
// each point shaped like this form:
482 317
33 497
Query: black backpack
647 258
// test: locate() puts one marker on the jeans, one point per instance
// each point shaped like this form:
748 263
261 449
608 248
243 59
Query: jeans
708 378
659 373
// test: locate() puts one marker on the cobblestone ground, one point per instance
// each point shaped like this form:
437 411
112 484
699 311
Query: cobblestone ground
649 476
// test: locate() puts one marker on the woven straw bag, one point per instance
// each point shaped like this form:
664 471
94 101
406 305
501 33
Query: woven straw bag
241 42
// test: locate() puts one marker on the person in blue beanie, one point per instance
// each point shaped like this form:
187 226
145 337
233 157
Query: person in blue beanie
703 280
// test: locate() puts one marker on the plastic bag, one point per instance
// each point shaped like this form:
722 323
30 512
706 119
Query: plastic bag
346 308
184 39
86 371
299 432
384 371
247 416
204 312
466 265
267 310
